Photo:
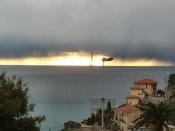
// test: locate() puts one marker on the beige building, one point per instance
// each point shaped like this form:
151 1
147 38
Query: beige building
140 90
148 85
169 92
125 115
133 100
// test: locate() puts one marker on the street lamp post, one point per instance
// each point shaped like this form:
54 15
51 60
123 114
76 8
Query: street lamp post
103 98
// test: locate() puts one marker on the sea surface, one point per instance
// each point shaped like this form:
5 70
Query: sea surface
70 93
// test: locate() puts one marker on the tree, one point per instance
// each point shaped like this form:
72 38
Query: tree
161 93
156 115
108 116
91 120
71 125
171 81
109 107
97 117
14 106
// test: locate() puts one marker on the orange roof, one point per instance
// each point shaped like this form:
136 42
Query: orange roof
127 109
145 81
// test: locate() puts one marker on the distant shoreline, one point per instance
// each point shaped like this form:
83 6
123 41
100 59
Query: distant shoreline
88 66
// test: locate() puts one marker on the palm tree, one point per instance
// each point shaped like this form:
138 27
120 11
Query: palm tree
156 116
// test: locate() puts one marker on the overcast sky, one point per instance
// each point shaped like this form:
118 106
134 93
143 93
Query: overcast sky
122 28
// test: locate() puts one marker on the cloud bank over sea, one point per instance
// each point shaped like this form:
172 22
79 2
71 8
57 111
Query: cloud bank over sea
125 29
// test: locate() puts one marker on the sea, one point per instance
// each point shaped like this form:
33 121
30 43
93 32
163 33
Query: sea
71 93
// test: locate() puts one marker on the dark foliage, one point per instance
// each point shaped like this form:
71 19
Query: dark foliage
14 106
160 93
157 115
96 118
71 125
171 81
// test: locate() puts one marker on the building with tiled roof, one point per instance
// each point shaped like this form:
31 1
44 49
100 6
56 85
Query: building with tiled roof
140 90
133 100
147 85
125 115
125 109
145 81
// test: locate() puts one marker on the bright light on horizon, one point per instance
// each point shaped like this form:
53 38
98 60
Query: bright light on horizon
81 59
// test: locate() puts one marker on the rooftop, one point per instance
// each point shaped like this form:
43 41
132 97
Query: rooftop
127 109
145 81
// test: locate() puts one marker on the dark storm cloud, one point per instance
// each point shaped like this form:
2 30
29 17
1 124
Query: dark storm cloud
123 28
14 48
148 51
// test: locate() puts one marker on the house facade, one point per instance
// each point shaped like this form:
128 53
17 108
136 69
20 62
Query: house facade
125 115
140 90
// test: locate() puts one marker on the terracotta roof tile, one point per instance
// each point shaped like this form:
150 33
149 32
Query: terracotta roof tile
127 109
145 81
